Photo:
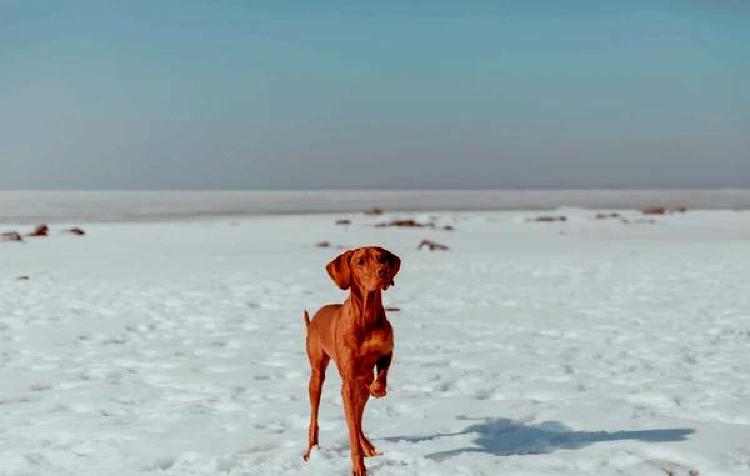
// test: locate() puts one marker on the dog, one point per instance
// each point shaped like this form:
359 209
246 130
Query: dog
358 337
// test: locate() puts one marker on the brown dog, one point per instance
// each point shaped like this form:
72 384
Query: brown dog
358 337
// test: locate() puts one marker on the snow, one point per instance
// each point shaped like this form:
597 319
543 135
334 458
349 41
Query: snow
585 347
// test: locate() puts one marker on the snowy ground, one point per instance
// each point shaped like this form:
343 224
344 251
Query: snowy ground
579 348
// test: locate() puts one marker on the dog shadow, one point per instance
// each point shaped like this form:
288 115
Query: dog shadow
504 437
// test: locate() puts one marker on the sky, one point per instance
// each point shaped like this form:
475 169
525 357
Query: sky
228 94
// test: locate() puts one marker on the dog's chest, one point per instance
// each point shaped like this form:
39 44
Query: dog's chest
376 343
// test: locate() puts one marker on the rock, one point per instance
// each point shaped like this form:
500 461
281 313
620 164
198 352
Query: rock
410 223
374 211
11 236
432 246
41 230
75 231
550 218
654 210
660 210
343 221
323 244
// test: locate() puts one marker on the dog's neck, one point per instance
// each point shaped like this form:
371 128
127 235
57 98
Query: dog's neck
369 307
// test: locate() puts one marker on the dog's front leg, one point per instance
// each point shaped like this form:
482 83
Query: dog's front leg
363 393
381 341
349 396
378 387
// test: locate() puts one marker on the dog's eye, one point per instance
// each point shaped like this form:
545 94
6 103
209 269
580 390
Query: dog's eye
361 262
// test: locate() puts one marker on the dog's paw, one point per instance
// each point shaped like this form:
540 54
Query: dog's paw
368 450
377 389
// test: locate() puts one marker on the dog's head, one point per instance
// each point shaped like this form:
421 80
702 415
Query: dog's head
369 268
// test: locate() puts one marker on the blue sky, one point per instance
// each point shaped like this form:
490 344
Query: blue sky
309 95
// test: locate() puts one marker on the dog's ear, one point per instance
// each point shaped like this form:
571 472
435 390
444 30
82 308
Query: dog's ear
340 271
394 262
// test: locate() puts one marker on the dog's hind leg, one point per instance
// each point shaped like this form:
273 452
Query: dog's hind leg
318 364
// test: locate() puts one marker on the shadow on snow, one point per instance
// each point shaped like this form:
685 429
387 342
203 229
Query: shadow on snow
504 437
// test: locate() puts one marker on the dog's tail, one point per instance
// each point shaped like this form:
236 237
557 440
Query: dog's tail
307 319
